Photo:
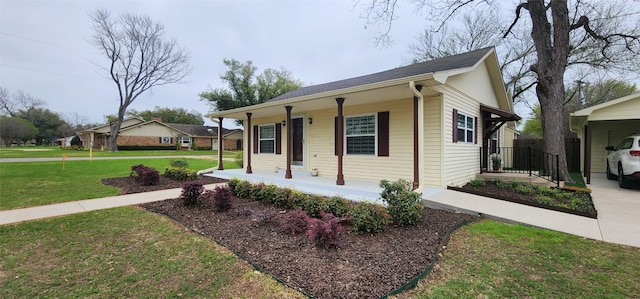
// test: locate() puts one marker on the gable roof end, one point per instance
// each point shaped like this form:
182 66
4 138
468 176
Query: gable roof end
464 60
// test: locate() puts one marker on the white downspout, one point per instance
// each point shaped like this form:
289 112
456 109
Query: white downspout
210 170
417 93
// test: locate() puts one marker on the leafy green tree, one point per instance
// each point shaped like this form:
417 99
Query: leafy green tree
48 123
533 126
244 88
16 129
170 115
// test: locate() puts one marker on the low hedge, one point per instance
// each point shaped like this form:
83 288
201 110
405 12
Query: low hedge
365 217
146 148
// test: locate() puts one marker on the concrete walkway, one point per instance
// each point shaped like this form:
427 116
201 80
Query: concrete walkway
50 159
618 218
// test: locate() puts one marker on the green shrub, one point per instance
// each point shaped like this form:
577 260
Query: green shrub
543 199
368 218
552 192
180 174
239 159
404 205
232 183
335 205
179 163
477 183
255 192
525 189
504 185
284 199
269 193
312 204
243 189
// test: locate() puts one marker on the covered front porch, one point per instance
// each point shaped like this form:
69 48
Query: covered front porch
303 181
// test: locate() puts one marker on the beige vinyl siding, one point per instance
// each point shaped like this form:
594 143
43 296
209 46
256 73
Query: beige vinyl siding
627 110
461 160
399 164
476 84
267 162
433 134
151 129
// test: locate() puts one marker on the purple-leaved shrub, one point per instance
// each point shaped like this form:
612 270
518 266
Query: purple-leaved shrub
326 231
294 222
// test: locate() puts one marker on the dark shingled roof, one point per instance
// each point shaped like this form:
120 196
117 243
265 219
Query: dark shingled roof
441 64
197 130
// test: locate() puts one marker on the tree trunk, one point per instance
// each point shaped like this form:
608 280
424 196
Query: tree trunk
552 48
112 142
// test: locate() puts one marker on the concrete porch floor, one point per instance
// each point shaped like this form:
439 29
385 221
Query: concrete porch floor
355 190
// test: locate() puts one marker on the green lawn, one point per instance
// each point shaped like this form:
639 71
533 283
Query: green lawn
122 253
490 259
56 151
25 184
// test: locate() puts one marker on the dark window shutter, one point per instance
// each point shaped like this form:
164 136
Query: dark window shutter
255 139
383 134
171 140
475 130
455 125
278 138
335 135
160 140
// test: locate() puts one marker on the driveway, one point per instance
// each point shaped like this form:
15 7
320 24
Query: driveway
618 210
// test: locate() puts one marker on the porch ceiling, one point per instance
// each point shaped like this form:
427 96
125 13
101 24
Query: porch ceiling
328 100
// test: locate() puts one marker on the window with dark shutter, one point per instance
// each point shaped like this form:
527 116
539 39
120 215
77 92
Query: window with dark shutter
383 134
255 139
278 138
454 127
335 135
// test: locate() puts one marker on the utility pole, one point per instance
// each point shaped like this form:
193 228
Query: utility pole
580 94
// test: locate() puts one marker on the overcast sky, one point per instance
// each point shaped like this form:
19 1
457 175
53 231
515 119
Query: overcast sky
45 48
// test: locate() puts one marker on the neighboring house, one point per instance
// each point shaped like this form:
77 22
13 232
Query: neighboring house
137 132
602 125
425 122
66 141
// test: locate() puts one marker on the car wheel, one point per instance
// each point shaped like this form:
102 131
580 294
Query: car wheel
610 175
622 182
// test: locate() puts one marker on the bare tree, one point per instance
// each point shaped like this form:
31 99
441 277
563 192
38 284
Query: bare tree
592 33
20 104
138 58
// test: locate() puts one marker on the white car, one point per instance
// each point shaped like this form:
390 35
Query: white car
623 163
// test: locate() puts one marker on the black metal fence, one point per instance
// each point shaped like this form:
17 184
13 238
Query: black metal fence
527 160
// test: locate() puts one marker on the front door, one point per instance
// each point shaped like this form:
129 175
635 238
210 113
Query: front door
297 141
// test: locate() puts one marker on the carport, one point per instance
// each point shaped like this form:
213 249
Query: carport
602 125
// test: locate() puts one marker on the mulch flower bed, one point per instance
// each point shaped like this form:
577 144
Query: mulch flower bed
364 266
491 189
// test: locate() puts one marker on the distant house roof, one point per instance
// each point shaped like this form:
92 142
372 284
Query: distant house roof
198 130
441 64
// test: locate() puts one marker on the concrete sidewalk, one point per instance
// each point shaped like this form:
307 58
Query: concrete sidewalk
73 207
444 199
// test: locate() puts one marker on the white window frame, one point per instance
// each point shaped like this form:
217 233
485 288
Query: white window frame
260 139
465 128
182 140
374 135
164 140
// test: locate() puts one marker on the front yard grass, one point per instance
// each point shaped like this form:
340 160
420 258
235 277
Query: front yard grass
123 253
490 259
57 152
26 184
